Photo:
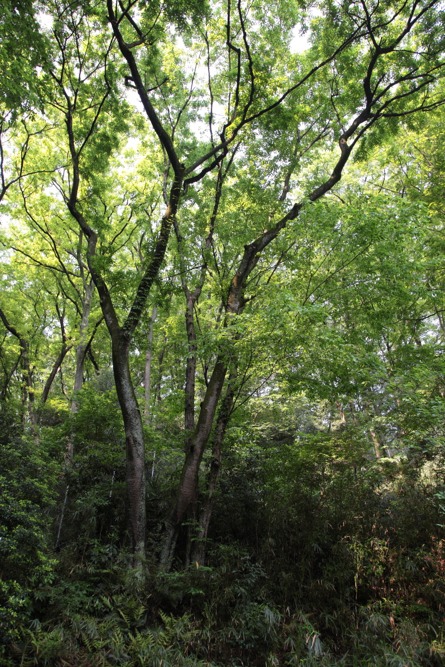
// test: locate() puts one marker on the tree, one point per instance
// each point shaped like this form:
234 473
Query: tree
238 149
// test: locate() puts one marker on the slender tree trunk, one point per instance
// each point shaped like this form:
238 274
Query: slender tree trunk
62 354
376 443
199 549
28 388
81 348
158 386
190 373
56 366
121 337
148 365
188 487
134 439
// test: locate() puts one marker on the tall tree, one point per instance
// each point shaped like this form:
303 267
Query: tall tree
226 106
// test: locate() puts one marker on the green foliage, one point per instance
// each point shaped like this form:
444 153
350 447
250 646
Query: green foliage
181 12
28 483
23 55
96 497
326 545
113 628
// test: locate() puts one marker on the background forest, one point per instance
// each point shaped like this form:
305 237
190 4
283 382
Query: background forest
222 326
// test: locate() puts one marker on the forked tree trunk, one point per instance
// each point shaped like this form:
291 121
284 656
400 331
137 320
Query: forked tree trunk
196 444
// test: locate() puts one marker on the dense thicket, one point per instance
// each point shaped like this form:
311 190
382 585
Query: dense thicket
222 386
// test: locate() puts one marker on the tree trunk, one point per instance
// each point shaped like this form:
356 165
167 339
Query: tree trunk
134 441
57 364
158 387
376 443
190 373
147 369
199 549
81 348
188 486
